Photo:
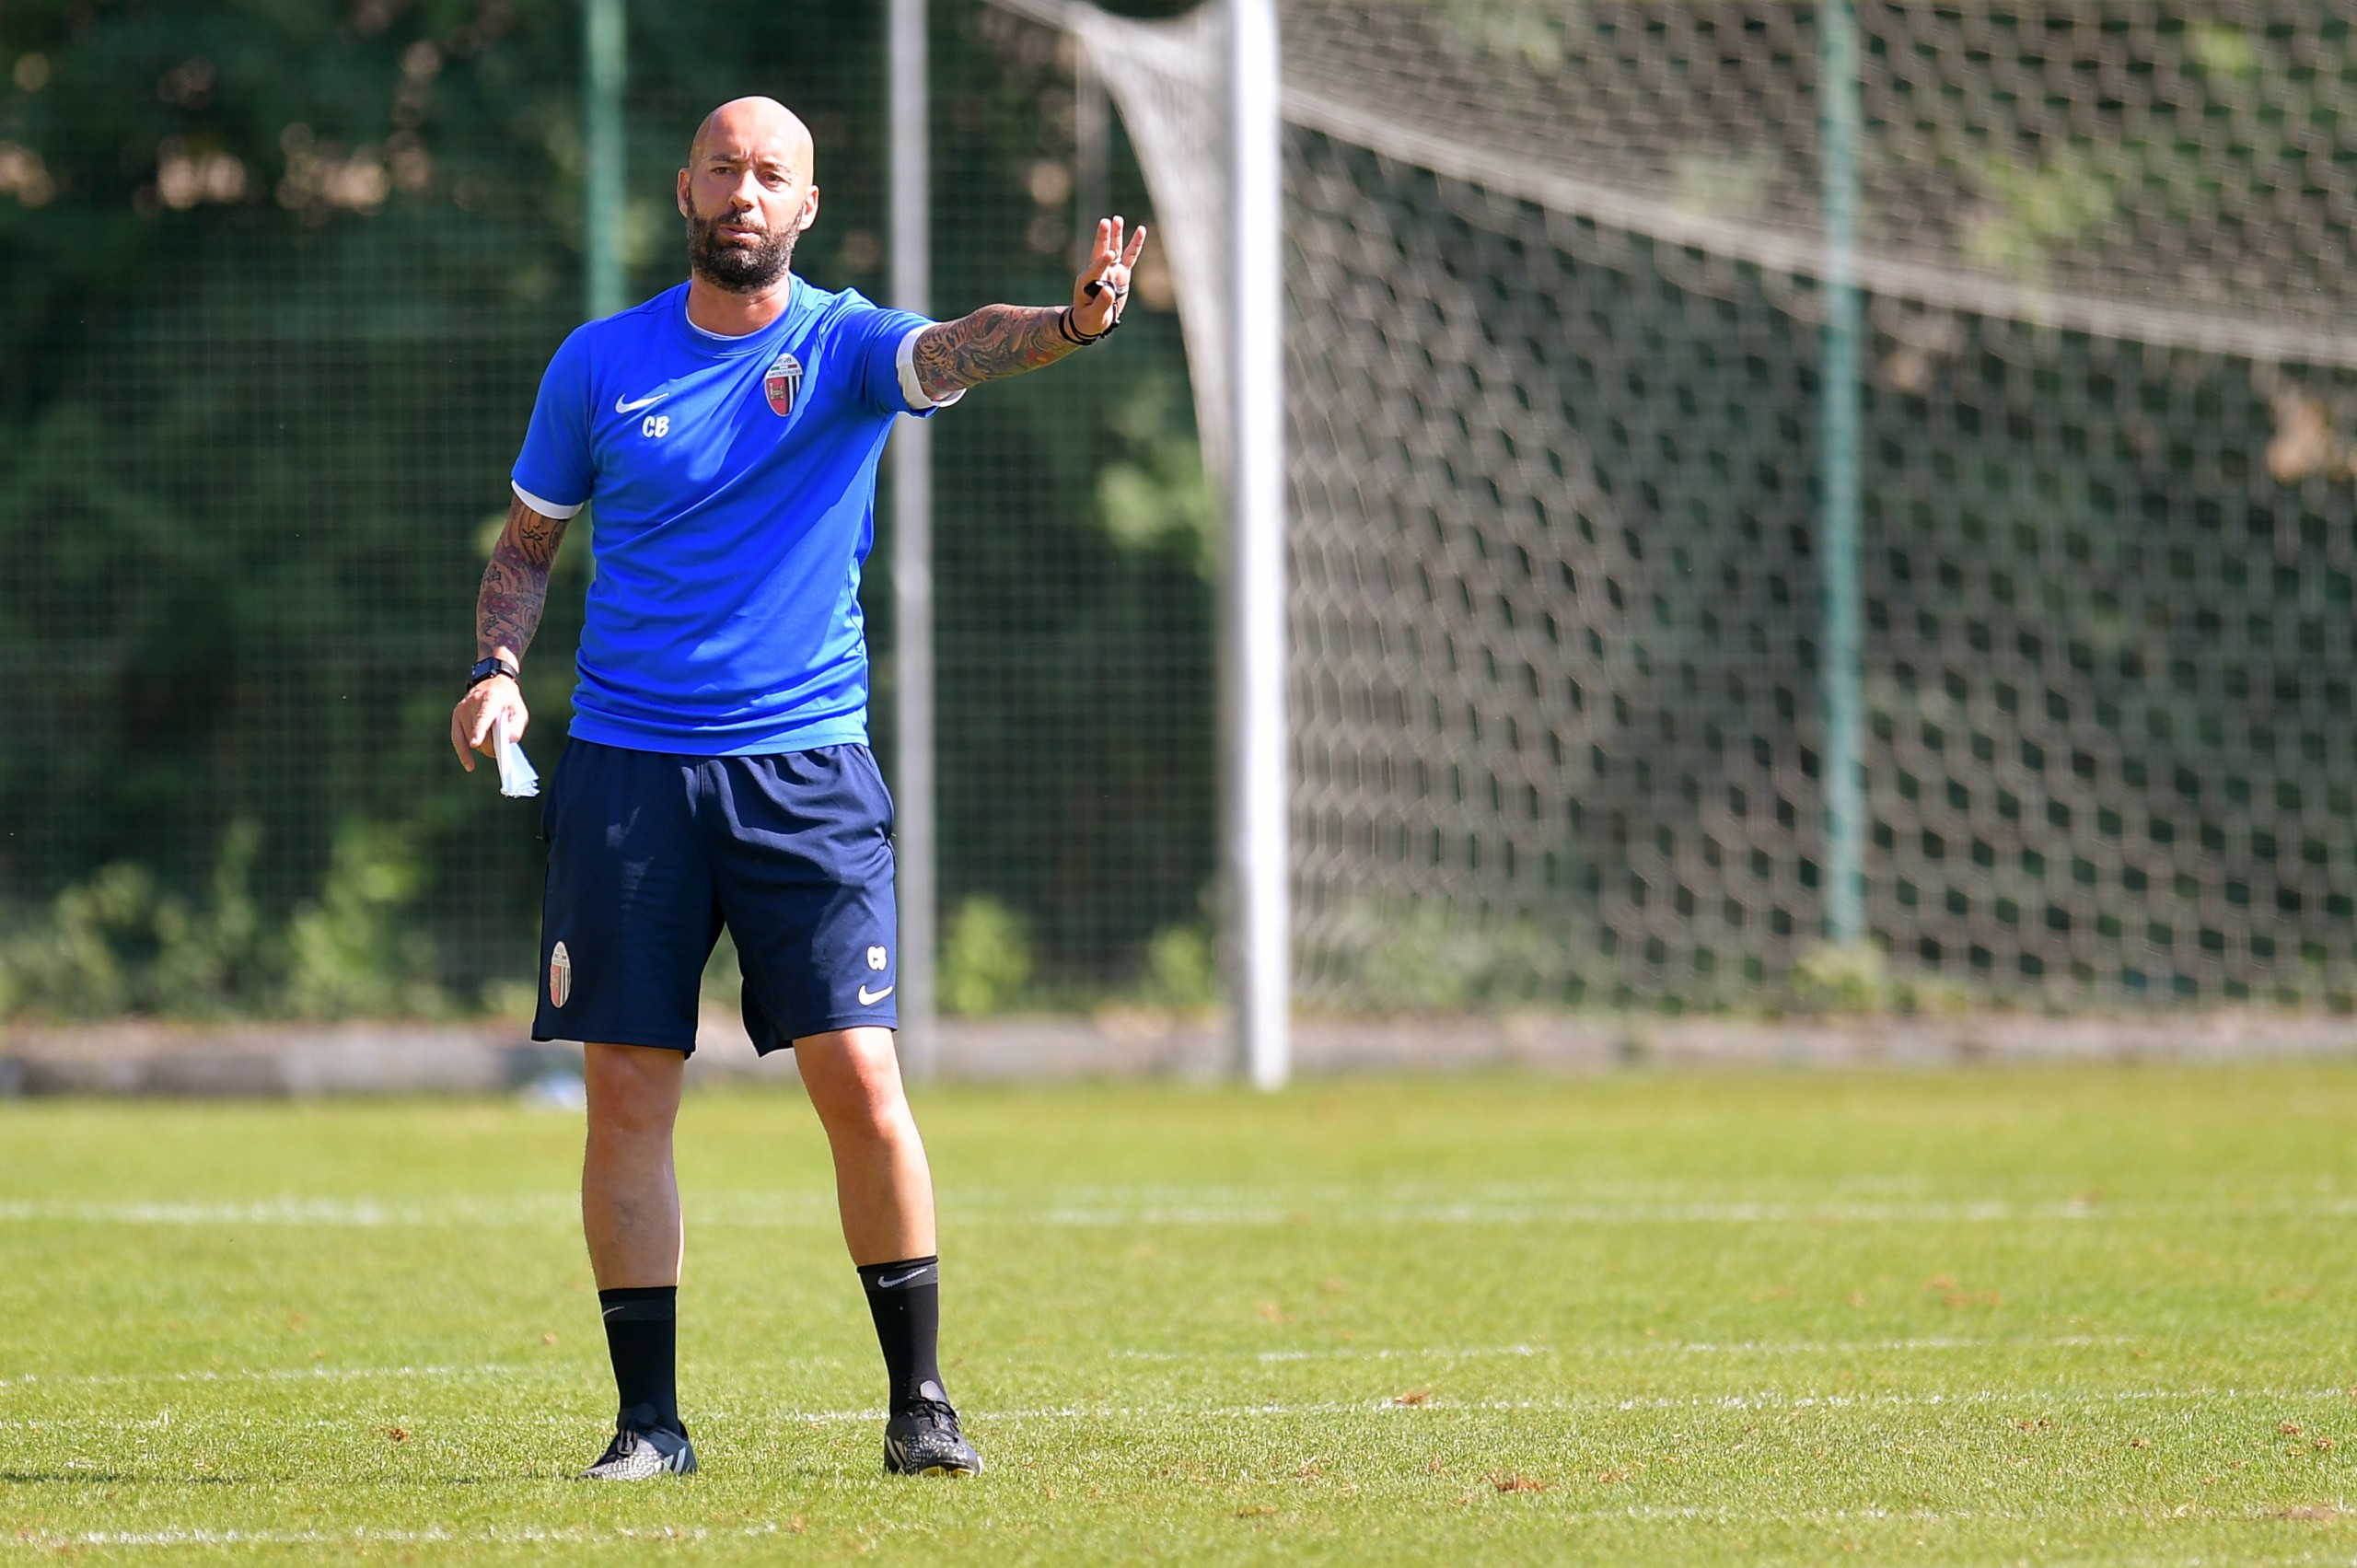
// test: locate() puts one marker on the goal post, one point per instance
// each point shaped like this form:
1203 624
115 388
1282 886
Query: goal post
1838 499
916 838
1206 119
1259 799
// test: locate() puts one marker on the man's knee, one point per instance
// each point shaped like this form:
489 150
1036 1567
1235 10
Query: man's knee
633 1090
853 1079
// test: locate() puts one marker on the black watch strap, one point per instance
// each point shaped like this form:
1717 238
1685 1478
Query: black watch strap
486 668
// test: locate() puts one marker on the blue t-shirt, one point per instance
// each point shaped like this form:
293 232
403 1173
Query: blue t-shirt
735 482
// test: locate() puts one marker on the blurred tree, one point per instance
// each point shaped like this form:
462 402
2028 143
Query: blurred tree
276 281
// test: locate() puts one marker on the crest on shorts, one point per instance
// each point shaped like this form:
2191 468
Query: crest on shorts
876 959
559 976
780 382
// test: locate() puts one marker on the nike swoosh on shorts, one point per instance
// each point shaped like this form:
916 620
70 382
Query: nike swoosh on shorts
866 999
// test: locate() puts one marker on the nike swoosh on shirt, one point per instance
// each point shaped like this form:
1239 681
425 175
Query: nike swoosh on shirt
870 1000
621 407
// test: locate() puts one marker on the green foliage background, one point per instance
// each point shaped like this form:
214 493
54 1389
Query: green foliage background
278 278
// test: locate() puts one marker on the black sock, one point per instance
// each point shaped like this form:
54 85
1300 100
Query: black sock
642 1335
905 1300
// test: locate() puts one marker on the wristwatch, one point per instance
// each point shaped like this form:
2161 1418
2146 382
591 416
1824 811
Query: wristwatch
486 668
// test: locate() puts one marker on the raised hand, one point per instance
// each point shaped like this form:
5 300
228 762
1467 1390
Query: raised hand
1007 340
1103 286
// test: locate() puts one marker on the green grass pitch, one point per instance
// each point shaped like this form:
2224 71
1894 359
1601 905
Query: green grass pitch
2052 1315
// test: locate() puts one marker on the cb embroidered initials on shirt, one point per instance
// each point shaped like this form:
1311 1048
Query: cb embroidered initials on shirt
764 449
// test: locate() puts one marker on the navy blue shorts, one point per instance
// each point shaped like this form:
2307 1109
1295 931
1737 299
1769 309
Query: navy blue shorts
650 855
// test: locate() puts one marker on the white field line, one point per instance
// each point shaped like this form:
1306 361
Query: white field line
1856 1347
2238 1560
1668 1347
1765 1400
363 1213
1429 1353
589 1535
764 1209
1435 1352
489 1535
1972 1211
2048 1398
263 1375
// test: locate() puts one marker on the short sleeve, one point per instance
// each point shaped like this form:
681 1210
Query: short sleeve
887 374
554 473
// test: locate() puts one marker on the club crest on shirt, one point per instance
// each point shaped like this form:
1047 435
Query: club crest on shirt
559 976
780 382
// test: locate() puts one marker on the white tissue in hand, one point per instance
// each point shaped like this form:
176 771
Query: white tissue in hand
516 777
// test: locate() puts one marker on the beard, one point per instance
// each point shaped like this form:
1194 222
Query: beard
736 268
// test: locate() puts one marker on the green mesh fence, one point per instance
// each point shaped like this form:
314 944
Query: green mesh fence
277 293
243 547
1072 570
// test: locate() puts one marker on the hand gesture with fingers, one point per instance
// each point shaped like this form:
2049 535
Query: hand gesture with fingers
1007 340
1104 284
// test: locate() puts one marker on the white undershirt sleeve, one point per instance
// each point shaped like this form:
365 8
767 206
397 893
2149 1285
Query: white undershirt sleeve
545 508
910 387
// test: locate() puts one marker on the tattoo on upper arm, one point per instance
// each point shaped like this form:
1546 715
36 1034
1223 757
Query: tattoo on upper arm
516 583
996 340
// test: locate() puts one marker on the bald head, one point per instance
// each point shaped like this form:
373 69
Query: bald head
757 130
747 194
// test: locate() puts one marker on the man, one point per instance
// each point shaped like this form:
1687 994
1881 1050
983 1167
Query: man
718 770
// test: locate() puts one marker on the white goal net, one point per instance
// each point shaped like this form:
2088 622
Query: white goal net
1555 358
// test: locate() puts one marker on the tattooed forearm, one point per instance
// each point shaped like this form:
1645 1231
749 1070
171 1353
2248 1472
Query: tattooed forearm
516 583
997 340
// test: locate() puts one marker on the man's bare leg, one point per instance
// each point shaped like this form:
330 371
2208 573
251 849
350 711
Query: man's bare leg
630 1195
629 1213
882 1183
885 1189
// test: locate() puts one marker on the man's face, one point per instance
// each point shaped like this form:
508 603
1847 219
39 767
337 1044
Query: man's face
746 198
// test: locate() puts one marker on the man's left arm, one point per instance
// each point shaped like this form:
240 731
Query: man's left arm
1007 340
